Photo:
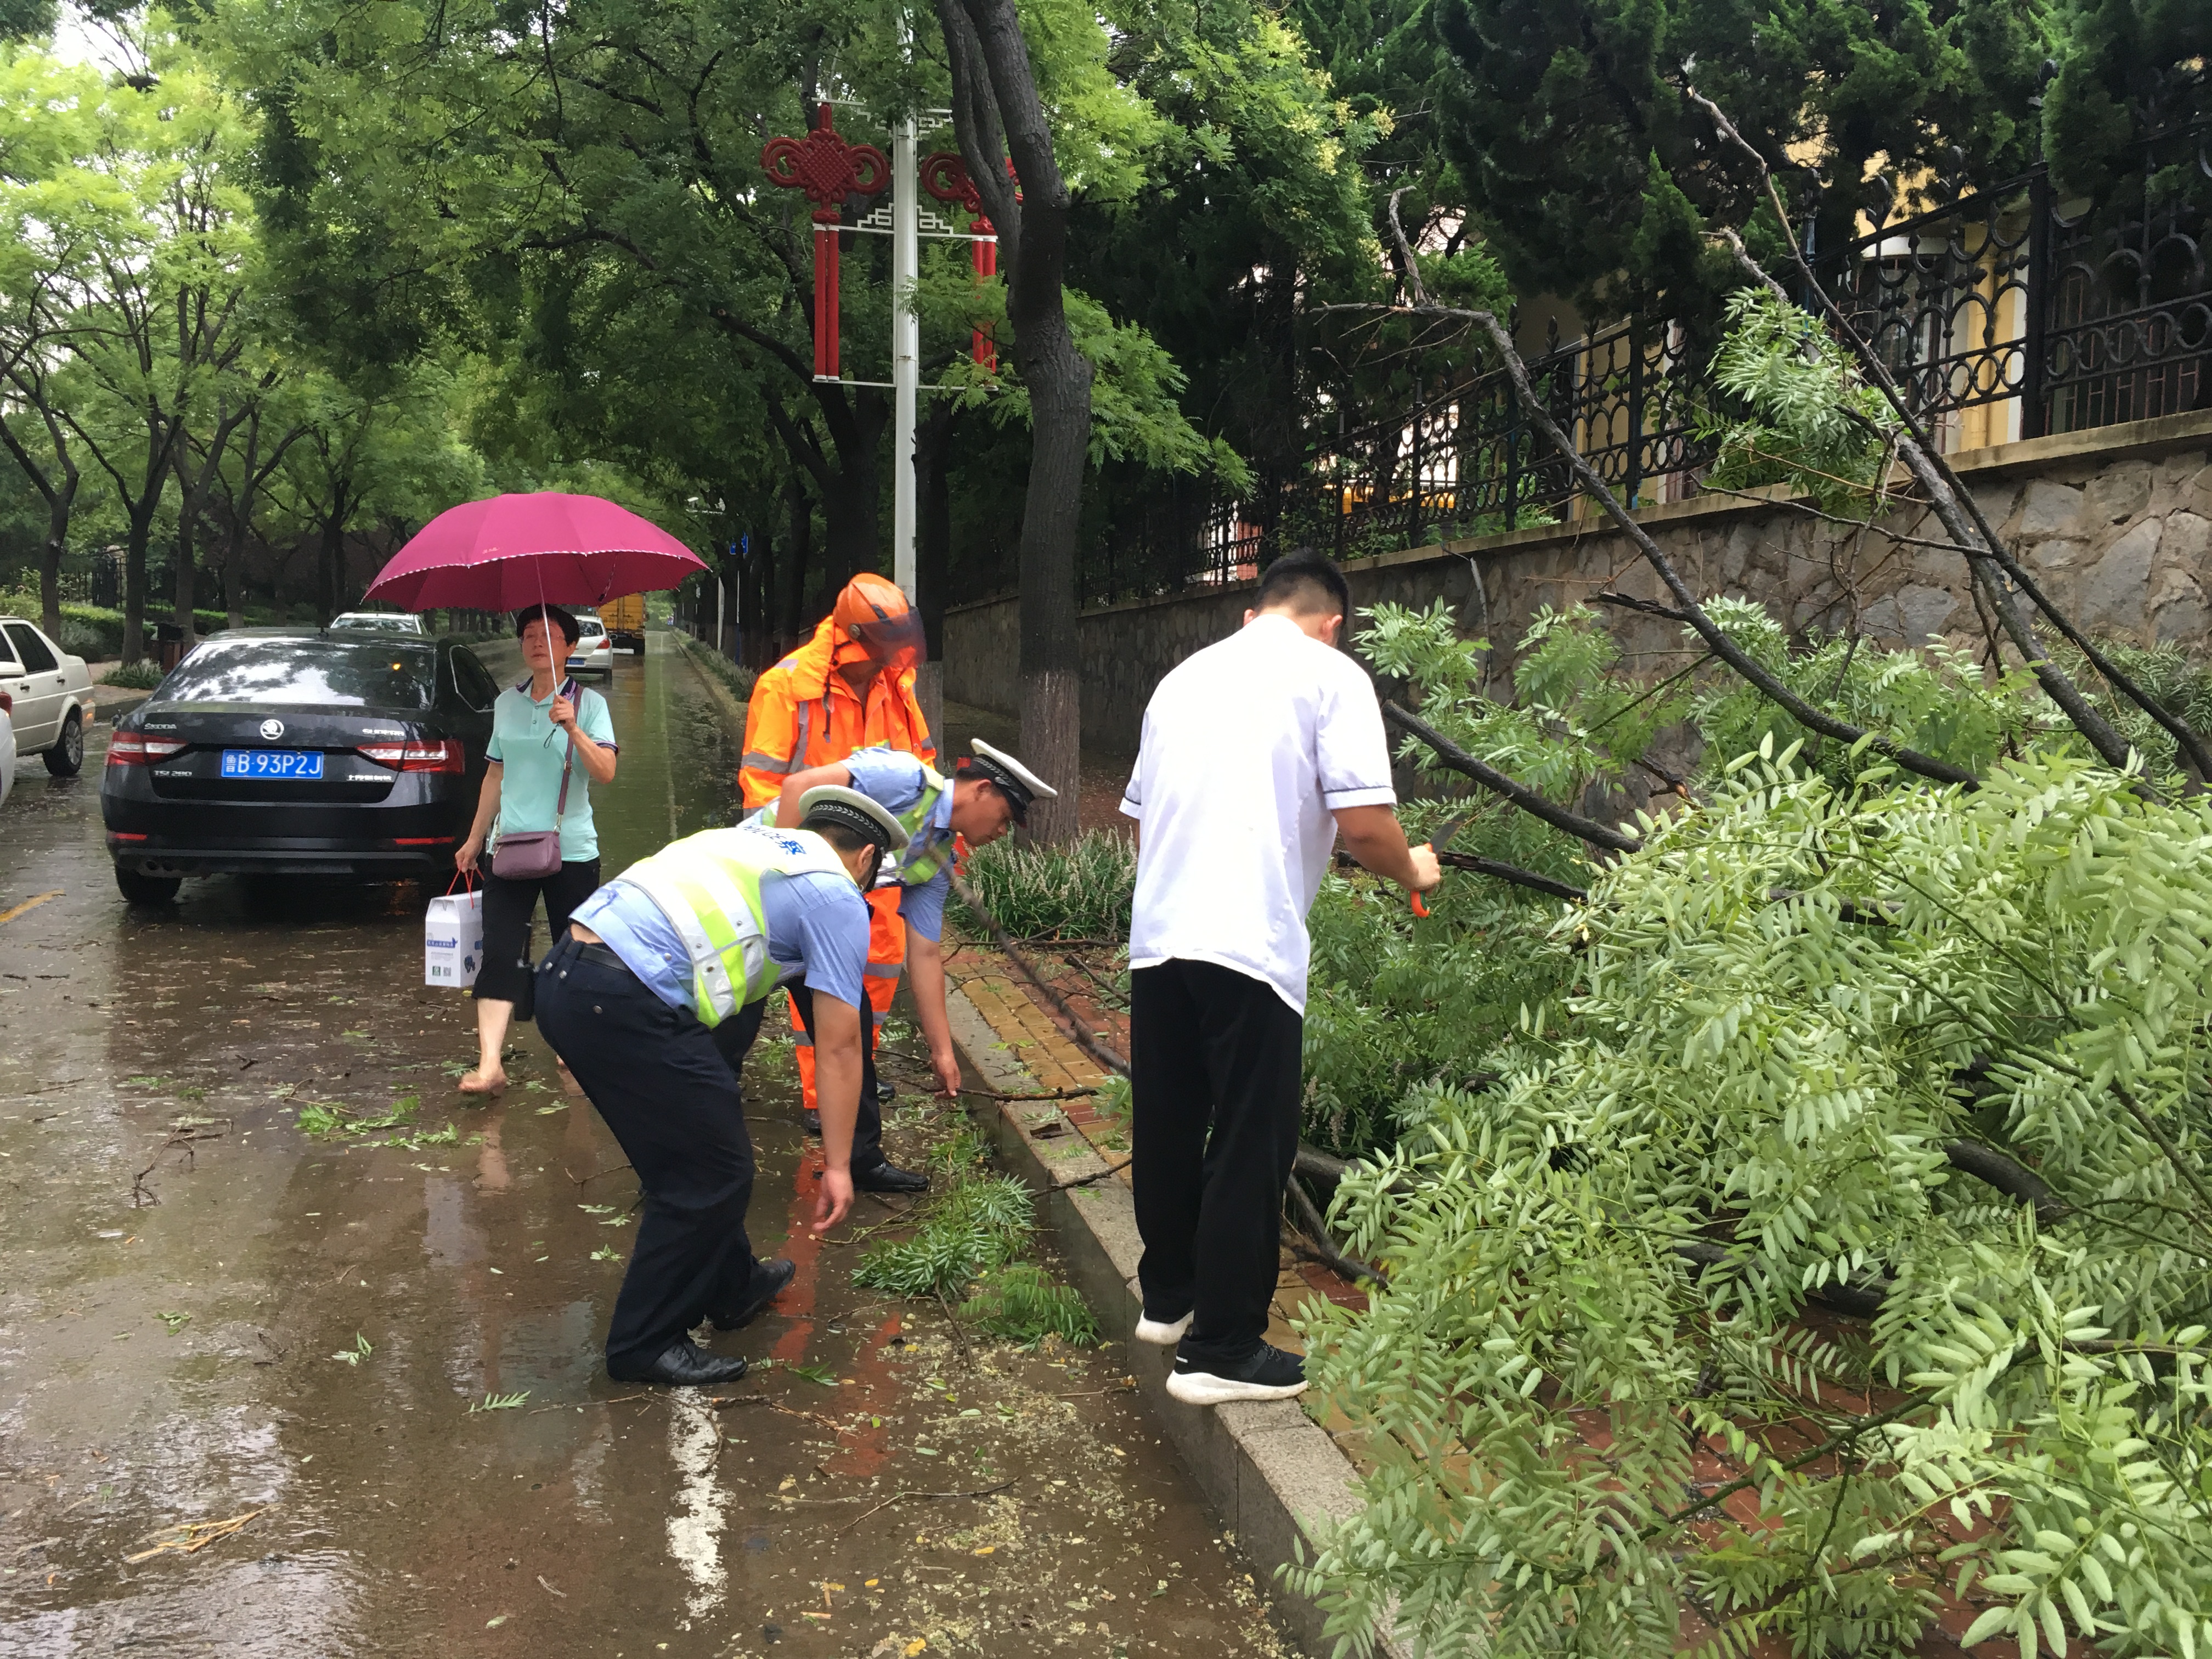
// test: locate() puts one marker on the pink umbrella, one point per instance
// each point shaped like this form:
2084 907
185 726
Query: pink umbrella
543 548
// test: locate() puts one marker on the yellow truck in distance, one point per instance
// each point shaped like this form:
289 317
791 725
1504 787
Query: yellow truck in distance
625 619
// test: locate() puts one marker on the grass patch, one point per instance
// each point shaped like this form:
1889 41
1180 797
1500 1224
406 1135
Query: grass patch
1078 891
141 675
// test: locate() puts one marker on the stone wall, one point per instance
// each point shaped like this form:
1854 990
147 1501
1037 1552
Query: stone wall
2115 524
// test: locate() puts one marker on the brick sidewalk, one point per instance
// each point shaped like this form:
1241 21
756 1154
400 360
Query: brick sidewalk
1032 1036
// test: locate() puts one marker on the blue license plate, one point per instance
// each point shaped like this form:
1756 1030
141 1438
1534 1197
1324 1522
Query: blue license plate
272 763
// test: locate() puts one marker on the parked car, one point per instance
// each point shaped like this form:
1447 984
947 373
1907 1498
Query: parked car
7 746
625 621
384 620
594 652
292 751
51 694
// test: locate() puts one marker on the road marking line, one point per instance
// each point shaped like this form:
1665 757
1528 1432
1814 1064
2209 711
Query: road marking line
28 904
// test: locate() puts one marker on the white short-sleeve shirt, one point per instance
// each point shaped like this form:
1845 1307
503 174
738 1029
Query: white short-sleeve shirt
1248 747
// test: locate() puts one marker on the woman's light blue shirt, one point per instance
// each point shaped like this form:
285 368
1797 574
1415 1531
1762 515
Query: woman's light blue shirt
530 750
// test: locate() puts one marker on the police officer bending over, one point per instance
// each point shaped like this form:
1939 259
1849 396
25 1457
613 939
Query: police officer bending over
679 951
984 798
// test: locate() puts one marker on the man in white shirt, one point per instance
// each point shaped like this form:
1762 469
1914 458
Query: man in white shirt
1257 753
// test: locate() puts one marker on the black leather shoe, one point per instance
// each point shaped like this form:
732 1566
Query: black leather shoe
887 1177
885 1093
812 1121
768 1280
685 1364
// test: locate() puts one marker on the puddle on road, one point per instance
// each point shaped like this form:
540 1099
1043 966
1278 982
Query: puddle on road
296 1330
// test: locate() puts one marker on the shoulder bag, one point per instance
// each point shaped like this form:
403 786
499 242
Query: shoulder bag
534 854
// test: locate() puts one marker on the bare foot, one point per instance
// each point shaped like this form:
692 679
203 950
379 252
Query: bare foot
481 1082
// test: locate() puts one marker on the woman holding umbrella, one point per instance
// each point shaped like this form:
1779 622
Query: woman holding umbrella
533 554
550 741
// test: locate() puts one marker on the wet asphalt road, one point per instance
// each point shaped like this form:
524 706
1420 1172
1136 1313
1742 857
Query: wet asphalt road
207 1314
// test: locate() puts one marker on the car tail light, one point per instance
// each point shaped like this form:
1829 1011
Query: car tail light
447 755
136 749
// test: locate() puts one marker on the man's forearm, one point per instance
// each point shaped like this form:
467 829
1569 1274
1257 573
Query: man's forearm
1373 835
837 1072
925 963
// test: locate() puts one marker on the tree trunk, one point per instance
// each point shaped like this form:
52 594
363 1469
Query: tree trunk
140 532
329 560
58 505
995 88
802 547
187 580
732 577
932 489
852 495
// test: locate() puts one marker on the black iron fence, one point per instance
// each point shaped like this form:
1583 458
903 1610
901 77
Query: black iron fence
2007 314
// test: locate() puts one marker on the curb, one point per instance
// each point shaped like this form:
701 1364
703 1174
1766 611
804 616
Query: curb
1268 1468
685 647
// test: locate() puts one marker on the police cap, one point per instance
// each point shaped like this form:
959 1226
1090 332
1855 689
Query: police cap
1019 785
851 810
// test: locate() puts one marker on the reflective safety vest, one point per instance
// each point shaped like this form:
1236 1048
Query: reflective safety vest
709 886
927 851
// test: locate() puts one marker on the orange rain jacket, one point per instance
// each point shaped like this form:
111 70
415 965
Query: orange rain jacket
803 713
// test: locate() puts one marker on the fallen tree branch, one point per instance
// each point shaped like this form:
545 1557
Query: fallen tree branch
1528 800
2009 1176
1077 1029
1323 1251
1649 607
1594 485
1955 507
1516 874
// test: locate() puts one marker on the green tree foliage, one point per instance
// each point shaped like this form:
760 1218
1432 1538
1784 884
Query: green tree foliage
1595 178
1791 1010
2130 70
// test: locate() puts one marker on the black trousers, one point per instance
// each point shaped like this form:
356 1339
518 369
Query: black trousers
735 1037
656 1077
1215 1077
508 905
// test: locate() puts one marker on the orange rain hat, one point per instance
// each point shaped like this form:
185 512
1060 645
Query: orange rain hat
873 613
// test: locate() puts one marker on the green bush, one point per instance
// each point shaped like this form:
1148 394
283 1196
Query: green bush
738 679
140 676
1081 891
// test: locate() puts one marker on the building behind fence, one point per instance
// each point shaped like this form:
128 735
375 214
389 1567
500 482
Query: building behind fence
2007 314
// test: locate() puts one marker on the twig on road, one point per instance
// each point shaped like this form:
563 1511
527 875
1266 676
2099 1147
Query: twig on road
981 1492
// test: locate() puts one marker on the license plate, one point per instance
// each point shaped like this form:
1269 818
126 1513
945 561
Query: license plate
272 762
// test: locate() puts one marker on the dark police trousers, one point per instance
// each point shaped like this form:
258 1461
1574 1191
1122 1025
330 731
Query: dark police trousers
734 1036
664 1088
1215 1061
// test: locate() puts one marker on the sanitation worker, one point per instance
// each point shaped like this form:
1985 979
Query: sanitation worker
849 687
984 798
1234 838
651 999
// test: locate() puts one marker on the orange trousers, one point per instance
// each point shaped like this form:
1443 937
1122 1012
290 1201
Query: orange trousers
886 957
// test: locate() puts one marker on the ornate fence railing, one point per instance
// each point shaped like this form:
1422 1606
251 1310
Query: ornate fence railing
2010 314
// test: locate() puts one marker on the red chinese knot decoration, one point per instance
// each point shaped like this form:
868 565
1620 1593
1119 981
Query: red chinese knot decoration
944 176
828 170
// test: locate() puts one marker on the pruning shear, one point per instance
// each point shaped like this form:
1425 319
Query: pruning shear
1444 831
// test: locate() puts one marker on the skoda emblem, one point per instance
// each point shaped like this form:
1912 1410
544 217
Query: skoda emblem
272 730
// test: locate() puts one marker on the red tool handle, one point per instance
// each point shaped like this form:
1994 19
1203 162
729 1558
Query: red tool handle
1419 909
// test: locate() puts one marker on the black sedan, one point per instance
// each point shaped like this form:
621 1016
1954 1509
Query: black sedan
291 751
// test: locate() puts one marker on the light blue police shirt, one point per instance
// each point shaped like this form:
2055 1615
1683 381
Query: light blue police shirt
892 779
818 929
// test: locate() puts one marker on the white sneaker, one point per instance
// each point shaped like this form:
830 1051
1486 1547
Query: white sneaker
1162 1333
1269 1374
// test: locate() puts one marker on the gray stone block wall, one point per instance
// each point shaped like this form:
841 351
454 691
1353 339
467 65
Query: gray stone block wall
2115 524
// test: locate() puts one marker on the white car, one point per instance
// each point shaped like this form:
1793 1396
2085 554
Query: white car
384 621
7 747
594 650
52 696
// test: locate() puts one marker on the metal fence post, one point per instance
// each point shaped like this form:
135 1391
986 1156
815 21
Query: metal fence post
1513 451
1635 478
2040 302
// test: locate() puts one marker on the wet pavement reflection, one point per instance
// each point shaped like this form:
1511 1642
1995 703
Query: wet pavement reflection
267 1392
